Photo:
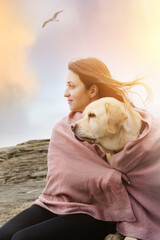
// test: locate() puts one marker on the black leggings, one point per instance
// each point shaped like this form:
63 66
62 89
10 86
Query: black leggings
37 223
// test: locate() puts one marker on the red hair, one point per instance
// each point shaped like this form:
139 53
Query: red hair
93 71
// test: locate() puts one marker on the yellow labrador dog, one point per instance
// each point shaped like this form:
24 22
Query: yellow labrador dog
109 124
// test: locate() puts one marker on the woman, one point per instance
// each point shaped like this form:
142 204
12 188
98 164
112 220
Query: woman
77 201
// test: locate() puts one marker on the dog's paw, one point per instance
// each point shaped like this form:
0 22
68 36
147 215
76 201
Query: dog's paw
130 238
116 236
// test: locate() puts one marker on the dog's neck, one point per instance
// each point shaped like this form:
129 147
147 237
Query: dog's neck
106 151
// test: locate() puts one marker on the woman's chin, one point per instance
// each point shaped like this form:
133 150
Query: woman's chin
75 109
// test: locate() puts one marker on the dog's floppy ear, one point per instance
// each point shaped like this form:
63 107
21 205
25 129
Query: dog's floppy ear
116 115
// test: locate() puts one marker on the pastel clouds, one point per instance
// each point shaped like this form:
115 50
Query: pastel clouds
17 78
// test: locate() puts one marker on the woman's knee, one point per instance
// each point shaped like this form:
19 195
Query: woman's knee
5 234
19 236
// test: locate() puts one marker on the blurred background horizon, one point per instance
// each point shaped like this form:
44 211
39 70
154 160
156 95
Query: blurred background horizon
125 35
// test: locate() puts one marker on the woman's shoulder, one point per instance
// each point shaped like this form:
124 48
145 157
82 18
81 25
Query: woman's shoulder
149 118
145 114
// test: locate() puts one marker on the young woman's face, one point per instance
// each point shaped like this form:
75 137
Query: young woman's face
77 95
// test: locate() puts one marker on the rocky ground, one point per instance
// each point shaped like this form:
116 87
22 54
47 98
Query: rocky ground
23 170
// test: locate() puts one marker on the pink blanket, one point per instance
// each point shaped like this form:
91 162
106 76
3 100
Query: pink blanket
140 159
79 180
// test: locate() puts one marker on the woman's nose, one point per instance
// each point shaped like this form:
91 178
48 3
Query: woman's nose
66 93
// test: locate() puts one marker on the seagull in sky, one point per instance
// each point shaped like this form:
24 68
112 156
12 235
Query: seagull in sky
53 19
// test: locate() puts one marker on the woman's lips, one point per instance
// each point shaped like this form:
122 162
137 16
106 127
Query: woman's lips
69 101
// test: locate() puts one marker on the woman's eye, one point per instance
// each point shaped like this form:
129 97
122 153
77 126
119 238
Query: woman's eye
91 115
71 86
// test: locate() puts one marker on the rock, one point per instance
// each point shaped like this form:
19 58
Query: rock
23 170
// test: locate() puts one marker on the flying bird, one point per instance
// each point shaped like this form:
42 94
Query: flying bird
53 19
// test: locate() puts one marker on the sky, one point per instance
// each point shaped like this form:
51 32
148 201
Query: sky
124 34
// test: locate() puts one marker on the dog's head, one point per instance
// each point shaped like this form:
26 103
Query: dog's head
101 118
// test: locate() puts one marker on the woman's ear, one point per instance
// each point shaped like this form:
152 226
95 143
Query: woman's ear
93 91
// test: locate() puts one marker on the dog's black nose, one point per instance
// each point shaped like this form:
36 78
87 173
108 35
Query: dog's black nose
73 126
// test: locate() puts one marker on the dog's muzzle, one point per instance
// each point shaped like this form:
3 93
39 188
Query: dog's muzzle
81 139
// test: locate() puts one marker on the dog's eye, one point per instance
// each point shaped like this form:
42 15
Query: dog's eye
91 115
